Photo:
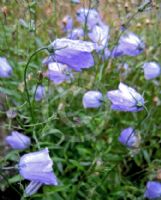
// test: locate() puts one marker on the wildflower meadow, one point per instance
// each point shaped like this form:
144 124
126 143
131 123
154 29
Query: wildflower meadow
80 99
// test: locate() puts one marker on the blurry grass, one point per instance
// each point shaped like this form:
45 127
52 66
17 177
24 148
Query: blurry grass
90 163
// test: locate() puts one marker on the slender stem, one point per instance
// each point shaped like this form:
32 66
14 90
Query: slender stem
25 79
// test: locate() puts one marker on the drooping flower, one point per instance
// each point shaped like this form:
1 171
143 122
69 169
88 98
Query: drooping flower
153 190
67 23
99 35
40 93
151 70
129 138
90 17
18 140
74 53
92 99
58 72
37 167
5 68
126 99
129 44
76 34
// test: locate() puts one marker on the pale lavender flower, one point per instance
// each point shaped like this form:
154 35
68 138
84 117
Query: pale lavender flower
92 99
153 190
67 23
76 54
37 167
90 17
129 44
151 70
18 140
129 138
40 93
5 68
99 35
76 34
126 99
58 72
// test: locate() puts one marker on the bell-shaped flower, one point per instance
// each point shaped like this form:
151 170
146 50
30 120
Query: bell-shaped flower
129 44
67 23
5 68
151 70
89 17
74 53
92 99
58 72
126 99
18 140
76 34
129 138
37 167
40 93
153 190
99 35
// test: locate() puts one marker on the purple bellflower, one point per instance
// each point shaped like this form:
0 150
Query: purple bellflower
37 168
129 138
5 68
58 72
18 140
90 17
151 70
92 99
40 93
129 44
74 53
153 190
126 99
67 23
99 35
76 34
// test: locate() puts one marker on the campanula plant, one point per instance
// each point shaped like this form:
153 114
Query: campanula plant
37 168
92 99
129 138
151 70
40 93
5 68
18 140
129 44
76 54
153 190
125 99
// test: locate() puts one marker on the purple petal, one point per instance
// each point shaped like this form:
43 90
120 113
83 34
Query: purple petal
92 99
153 190
18 140
5 68
151 70
37 166
74 58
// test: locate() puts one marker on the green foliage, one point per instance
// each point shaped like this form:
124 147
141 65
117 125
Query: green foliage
89 161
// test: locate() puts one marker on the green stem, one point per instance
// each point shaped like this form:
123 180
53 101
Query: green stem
25 80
